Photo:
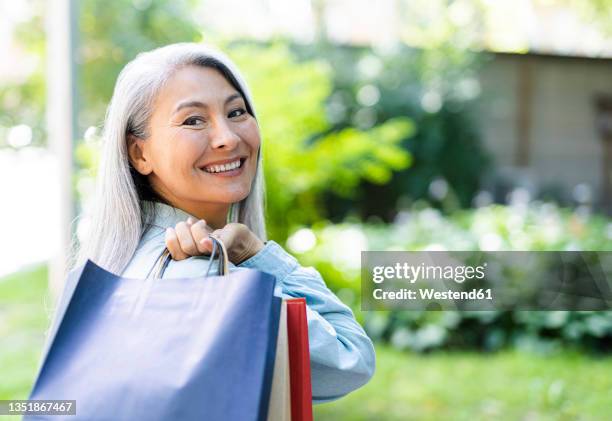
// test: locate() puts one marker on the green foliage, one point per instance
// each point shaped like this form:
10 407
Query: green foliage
113 33
304 156
436 88
23 101
110 34
541 226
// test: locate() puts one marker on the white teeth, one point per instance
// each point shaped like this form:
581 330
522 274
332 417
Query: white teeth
223 167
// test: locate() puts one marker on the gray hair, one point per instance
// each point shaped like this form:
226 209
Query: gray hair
121 209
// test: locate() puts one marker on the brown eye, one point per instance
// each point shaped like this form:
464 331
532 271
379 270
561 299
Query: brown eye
192 121
237 112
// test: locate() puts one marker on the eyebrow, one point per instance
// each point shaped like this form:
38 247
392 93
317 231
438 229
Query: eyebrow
199 104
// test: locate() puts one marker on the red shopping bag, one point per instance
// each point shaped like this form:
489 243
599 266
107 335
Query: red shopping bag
291 392
299 360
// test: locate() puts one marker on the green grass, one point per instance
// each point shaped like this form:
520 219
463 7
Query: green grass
508 385
472 386
23 320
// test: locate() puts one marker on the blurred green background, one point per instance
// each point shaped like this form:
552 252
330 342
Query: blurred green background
373 140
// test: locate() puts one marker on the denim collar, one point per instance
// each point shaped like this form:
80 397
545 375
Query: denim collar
164 216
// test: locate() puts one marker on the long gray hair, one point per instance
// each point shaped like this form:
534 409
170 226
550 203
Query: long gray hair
121 206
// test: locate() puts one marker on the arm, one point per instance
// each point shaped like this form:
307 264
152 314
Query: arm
341 354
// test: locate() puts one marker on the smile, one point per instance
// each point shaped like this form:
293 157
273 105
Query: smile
225 168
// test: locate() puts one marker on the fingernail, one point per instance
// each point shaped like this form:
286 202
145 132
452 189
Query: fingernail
190 221
203 241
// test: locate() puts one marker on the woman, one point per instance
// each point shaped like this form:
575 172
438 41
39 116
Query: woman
182 144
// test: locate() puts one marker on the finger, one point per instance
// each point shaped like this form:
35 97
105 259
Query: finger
190 221
206 244
199 232
173 245
226 235
186 240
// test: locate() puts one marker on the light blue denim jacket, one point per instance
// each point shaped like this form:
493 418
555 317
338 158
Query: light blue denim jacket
341 354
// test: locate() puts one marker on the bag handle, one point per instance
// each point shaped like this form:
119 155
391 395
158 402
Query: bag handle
218 250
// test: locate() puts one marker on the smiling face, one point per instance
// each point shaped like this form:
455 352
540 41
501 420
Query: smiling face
201 153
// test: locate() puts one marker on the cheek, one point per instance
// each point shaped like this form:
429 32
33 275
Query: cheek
250 134
175 155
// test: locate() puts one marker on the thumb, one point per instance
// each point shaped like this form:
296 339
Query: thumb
206 244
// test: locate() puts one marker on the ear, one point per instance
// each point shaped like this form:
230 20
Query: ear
137 156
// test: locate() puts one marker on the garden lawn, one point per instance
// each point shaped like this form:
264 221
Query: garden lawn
508 385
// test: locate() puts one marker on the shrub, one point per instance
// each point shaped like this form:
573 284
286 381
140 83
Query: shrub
335 251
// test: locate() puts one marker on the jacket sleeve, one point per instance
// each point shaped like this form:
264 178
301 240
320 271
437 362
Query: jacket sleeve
341 354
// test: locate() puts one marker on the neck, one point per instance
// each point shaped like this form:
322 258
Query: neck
215 214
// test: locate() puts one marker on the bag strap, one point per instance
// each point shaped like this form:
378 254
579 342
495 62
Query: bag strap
219 250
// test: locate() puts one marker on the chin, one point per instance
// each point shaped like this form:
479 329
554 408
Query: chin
236 196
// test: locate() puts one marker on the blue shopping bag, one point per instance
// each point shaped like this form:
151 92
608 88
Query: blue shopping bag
163 349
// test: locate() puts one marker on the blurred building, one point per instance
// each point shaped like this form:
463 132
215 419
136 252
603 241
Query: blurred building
540 120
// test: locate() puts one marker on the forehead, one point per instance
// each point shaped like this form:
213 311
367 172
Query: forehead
198 83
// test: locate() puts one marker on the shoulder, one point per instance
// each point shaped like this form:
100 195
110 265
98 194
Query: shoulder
150 247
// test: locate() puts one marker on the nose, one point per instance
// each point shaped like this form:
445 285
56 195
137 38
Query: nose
222 136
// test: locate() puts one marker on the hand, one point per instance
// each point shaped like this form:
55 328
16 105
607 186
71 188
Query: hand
191 238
